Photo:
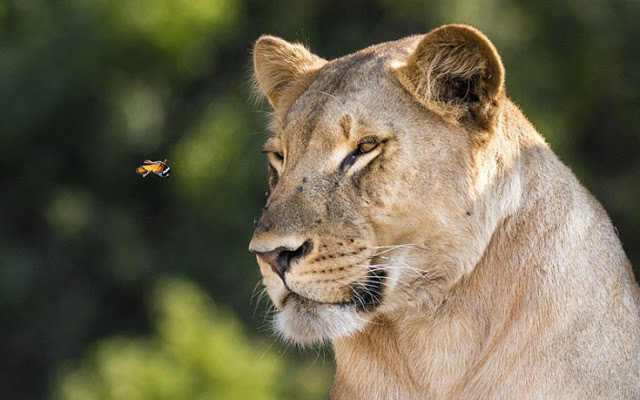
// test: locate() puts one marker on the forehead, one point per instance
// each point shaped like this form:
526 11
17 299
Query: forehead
358 86
337 97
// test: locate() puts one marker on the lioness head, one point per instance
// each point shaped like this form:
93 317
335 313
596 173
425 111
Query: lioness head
375 160
418 221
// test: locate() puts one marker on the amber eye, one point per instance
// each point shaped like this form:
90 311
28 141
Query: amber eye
367 144
275 157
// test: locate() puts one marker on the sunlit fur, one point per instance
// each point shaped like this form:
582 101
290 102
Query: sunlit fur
452 257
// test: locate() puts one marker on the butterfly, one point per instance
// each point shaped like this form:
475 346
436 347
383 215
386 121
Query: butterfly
159 168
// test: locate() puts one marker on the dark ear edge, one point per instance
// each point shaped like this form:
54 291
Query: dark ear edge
283 70
456 72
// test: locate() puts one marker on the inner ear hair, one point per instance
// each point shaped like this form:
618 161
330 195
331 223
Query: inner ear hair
456 72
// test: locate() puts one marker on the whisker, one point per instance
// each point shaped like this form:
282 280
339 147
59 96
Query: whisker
332 96
394 267
389 249
411 272
356 294
397 246
261 296
400 246
255 288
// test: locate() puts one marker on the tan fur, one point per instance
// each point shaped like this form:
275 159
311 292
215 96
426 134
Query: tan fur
287 69
455 52
458 258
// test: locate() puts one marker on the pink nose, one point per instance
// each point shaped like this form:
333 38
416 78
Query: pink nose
281 258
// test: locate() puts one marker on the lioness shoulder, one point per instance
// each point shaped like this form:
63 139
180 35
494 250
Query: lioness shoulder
418 222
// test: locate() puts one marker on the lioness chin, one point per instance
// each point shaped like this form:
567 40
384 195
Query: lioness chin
418 222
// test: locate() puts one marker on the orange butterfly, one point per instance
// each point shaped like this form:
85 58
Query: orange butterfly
159 168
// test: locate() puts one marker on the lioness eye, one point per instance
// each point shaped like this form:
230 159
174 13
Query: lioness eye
367 144
274 156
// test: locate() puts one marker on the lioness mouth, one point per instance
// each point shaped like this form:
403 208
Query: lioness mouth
366 293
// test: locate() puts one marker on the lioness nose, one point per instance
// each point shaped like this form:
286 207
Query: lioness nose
281 258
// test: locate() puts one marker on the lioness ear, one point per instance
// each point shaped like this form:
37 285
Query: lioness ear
283 70
456 72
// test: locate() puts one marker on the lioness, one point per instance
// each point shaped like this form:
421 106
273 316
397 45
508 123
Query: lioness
418 222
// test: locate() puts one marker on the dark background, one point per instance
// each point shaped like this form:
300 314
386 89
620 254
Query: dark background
90 88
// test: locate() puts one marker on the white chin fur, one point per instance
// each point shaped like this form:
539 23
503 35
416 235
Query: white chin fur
310 325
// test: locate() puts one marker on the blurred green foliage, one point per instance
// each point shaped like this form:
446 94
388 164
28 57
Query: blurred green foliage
90 88
197 351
